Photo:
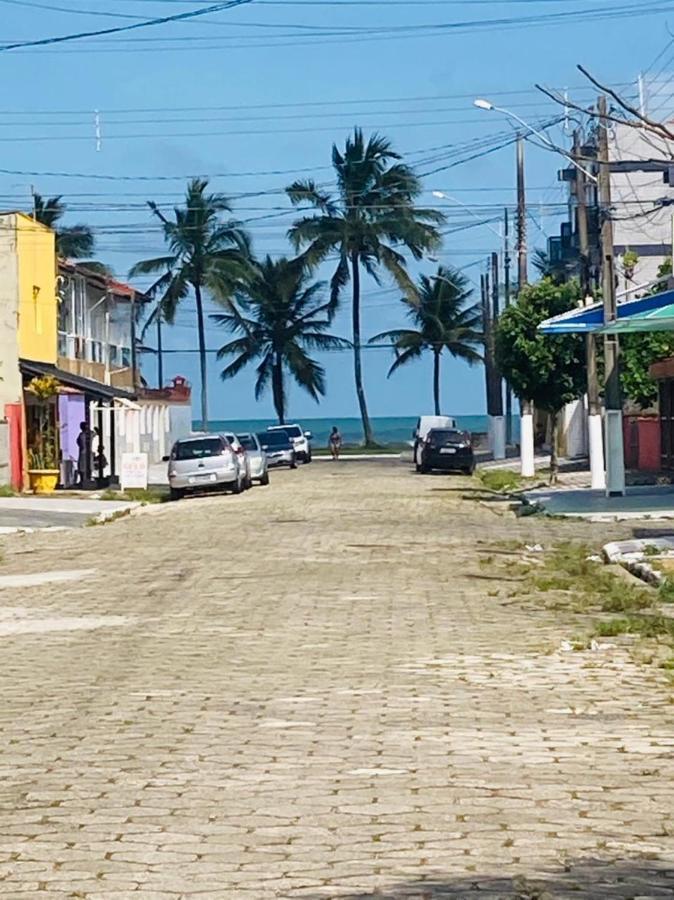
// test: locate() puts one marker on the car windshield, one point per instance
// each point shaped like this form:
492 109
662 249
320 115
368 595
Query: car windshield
249 441
274 439
198 449
451 437
293 431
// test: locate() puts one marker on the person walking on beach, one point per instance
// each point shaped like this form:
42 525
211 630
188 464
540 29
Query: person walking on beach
335 442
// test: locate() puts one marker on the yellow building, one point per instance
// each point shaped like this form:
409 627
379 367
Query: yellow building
38 302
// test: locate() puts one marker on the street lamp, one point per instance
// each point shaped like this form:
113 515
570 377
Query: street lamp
442 196
481 103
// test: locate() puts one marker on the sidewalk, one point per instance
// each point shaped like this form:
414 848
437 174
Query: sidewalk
31 513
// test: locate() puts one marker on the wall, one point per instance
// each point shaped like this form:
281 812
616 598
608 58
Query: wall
38 308
11 384
650 236
151 428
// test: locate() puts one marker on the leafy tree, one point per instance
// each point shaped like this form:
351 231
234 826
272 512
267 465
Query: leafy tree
639 351
548 371
372 217
72 242
279 316
205 254
443 322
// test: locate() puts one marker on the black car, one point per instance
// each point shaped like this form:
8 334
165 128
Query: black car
449 450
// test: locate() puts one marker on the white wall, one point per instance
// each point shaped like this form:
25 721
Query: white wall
152 428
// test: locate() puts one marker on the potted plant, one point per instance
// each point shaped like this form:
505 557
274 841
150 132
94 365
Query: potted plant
43 454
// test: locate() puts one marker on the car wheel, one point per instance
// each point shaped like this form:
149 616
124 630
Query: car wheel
248 483
307 459
176 494
293 464
418 468
265 479
237 486
469 469
424 469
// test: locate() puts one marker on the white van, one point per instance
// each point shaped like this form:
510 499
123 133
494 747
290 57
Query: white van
423 426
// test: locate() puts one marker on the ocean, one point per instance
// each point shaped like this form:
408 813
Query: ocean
387 429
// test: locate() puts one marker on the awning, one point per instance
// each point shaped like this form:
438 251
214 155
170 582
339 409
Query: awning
655 313
85 385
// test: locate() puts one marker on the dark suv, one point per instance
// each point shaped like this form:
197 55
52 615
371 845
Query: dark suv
447 449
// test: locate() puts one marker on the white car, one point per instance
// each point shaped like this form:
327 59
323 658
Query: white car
422 428
240 451
299 438
204 461
257 458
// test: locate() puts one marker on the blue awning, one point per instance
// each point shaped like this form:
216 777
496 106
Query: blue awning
590 319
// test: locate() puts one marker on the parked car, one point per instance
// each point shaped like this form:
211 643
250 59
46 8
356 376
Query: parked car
240 451
448 449
279 448
204 461
300 440
257 458
420 433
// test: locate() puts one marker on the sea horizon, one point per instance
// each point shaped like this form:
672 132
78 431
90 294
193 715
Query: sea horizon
387 429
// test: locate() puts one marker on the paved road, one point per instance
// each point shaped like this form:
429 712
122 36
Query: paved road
312 690
54 511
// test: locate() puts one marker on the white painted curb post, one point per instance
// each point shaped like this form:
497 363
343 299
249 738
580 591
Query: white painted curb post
528 469
596 442
498 435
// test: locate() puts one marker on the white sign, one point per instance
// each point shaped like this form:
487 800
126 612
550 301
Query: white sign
134 471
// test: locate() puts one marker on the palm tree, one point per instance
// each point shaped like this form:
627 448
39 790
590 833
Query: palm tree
72 242
370 218
279 315
443 322
206 254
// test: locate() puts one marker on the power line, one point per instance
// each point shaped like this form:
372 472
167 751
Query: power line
162 20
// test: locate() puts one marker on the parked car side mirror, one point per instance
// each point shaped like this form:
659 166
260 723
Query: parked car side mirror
165 458
308 435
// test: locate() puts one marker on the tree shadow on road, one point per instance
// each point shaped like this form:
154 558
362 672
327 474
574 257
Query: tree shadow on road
587 879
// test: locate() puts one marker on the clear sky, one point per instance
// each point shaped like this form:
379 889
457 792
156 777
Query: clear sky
267 87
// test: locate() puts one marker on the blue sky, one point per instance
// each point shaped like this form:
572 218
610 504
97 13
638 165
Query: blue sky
254 90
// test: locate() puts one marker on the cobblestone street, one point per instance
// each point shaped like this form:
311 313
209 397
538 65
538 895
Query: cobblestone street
315 690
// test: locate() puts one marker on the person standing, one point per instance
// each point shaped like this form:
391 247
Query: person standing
84 455
335 442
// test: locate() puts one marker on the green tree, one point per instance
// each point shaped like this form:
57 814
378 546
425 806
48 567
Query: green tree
206 254
72 242
548 371
639 351
279 316
372 217
442 320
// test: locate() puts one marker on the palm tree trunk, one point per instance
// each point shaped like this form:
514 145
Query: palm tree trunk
202 357
277 389
368 435
436 381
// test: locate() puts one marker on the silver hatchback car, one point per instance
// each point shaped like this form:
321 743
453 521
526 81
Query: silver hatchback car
204 461
257 458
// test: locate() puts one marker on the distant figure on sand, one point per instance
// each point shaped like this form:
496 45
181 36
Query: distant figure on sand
335 442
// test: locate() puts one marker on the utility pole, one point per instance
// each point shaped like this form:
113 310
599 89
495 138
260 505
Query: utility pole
506 289
615 461
160 358
521 217
486 329
528 468
499 447
594 421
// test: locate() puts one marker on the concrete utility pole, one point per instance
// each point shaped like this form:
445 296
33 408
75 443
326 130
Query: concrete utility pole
521 216
595 435
498 422
486 329
528 468
615 461
506 289
160 356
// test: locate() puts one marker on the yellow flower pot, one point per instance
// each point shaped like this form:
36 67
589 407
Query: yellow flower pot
43 481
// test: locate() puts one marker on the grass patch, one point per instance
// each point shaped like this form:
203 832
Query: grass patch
6 490
137 495
666 590
645 626
502 480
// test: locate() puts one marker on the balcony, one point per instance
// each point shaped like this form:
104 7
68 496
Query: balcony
106 363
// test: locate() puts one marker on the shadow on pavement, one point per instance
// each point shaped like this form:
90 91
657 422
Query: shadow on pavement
587 879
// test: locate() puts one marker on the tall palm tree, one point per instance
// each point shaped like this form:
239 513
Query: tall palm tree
371 218
279 316
205 254
72 242
443 322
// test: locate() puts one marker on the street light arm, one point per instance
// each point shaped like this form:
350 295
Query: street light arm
441 195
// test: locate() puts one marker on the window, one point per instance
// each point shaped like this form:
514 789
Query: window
198 449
